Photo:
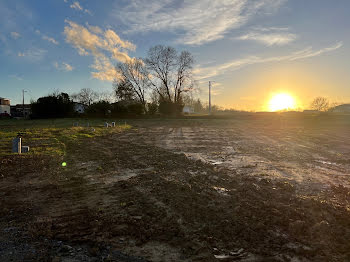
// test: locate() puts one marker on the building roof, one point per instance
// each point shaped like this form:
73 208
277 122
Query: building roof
343 105
4 101
21 105
345 108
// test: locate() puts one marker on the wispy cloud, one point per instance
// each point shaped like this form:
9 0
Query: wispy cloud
63 66
50 39
76 5
47 38
196 22
9 16
15 35
102 45
270 36
33 55
212 71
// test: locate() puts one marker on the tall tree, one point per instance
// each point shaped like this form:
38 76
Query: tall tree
134 80
170 73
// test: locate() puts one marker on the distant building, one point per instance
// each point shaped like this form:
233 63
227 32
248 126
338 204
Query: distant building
79 108
311 111
17 110
188 110
345 108
5 106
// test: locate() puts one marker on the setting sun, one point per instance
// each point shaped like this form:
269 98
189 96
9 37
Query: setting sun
282 102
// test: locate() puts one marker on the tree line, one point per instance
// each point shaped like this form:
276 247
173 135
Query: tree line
157 84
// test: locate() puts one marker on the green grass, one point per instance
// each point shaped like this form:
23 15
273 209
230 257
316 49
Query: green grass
51 137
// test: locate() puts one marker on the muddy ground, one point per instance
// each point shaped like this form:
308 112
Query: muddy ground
249 189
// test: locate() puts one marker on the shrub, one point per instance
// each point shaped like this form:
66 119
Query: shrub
152 108
135 108
170 108
53 106
101 108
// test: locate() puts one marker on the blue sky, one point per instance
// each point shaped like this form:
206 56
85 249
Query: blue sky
250 48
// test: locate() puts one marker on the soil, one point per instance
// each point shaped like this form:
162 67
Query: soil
271 189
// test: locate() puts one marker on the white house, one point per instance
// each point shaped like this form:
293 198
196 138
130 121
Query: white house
79 108
188 110
345 108
5 106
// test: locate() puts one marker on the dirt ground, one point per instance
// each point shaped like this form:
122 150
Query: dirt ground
271 188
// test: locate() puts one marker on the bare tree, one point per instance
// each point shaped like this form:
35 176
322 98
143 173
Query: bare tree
134 76
86 96
170 72
105 96
184 76
320 104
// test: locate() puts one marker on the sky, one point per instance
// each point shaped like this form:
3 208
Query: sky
251 49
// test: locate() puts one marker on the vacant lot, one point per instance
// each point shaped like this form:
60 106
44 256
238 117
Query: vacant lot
253 188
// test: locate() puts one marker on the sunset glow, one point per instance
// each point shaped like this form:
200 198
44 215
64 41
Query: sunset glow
250 49
282 102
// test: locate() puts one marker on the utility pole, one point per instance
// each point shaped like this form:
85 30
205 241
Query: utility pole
210 82
209 97
23 101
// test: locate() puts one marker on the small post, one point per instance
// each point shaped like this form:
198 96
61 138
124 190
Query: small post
25 149
17 145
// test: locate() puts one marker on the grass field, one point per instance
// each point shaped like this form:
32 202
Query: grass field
50 136
252 188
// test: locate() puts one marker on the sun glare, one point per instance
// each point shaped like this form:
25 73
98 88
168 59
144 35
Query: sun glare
281 102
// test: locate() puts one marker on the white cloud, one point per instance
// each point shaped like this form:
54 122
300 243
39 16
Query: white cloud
105 70
50 39
33 55
87 11
212 71
269 38
47 38
76 5
63 66
15 35
104 46
197 22
94 29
